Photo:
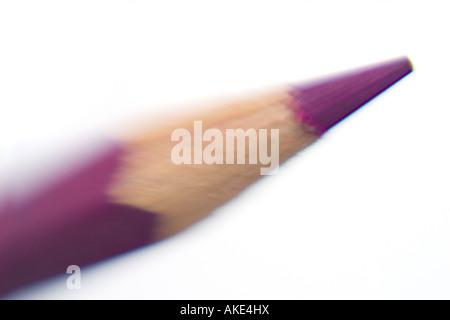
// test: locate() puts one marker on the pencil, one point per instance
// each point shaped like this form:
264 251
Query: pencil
148 187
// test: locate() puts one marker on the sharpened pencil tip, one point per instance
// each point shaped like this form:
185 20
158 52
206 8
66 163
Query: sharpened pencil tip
324 103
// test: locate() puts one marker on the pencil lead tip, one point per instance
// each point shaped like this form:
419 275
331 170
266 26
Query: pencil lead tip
324 103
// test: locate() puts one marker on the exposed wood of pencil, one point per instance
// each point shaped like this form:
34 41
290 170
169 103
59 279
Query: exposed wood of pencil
181 194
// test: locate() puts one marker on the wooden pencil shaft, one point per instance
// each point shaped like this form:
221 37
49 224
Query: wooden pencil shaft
181 194
146 188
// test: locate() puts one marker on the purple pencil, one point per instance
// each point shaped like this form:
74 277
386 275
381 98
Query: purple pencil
148 187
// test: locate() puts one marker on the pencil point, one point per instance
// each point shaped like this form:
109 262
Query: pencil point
324 103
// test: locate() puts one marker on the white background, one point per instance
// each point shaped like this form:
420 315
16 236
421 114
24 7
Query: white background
364 213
